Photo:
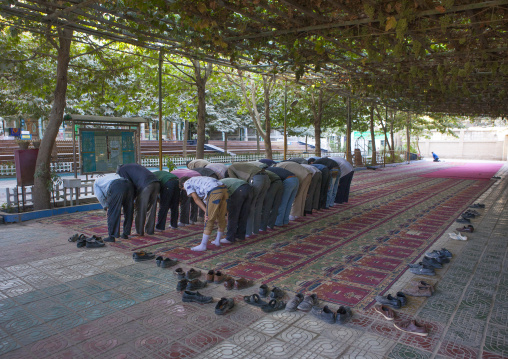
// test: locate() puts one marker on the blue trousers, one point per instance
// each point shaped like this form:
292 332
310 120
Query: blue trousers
290 188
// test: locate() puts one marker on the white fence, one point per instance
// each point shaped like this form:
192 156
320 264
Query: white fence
60 194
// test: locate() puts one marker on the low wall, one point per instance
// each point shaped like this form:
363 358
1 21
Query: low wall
471 143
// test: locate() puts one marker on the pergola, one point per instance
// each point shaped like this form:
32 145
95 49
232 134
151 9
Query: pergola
446 56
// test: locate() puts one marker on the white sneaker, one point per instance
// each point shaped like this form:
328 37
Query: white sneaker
180 224
457 236
292 218
461 237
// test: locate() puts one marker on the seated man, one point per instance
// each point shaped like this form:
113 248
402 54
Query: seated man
240 198
215 194
115 193
436 157
169 198
147 189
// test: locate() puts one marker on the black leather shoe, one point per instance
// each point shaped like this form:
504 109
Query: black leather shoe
181 285
195 284
431 262
388 300
195 297
402 298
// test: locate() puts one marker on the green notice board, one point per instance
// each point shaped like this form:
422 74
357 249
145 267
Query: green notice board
104 150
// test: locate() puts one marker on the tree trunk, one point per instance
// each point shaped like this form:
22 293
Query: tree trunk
317 112
200 149
185 137
201 79
225 143
267 86
392 151
408 137
258 149
42 178
373 137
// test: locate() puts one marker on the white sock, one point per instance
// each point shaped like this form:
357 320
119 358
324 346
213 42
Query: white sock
202 246
217 239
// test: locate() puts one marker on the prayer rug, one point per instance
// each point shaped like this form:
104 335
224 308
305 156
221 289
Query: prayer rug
477 171
346 255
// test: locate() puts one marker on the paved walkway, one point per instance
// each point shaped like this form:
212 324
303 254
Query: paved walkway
58 301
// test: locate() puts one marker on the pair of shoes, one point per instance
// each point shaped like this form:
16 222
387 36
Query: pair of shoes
457 236
410 326
472 211
189 284
308 302
442 256
214 277
238 284
463 220
142 256
477 205
225 305
197 297
385 311
94 242
275 293
342 315
293 304
466 229
80 241
431 262
467 215
422 269
419 289
396 302
165 262
191 273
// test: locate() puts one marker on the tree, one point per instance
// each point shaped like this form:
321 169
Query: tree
250 95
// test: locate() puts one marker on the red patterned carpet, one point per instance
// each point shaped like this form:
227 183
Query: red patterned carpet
346 255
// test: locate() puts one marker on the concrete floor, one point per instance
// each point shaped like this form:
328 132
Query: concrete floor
57 301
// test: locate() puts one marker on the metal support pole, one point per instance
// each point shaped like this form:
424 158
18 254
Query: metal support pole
285 115
348 139
160 110
73 149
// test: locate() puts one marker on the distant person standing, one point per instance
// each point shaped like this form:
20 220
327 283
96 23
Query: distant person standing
147 189
436 157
